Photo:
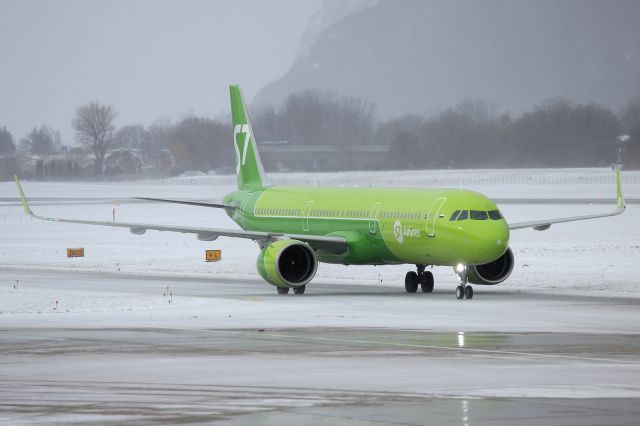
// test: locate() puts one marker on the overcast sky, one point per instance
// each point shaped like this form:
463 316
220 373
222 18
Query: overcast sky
150 59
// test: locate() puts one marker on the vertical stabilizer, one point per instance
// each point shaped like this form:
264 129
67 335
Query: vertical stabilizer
248 165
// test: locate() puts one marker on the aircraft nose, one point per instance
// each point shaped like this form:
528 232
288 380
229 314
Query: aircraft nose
501 236
495 242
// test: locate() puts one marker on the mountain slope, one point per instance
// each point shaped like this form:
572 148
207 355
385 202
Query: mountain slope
422 56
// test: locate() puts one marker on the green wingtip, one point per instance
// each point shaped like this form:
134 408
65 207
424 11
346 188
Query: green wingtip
25 204
619 196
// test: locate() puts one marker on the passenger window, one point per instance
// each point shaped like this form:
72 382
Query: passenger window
454 215
464 214
478 215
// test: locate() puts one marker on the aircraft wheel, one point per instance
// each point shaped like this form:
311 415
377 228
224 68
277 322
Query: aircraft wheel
459 293
283 290
427 282
299 290
411 282
468 292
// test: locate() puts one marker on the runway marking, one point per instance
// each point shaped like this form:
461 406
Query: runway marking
489 351
416 345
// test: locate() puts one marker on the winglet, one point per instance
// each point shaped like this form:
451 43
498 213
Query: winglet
620 198
25 204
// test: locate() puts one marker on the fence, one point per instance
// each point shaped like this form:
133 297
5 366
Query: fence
424 178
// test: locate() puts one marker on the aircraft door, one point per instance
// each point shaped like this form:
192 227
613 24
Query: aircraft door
306 212
373 217
432 216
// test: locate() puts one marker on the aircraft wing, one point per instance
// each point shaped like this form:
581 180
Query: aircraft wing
332 244
542 225
190 203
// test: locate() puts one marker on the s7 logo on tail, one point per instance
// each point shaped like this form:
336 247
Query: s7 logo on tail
240 129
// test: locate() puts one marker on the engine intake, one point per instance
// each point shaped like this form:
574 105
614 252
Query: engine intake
494 272
287 263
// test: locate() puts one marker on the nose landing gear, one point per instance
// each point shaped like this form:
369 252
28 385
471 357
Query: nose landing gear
464 290
422 278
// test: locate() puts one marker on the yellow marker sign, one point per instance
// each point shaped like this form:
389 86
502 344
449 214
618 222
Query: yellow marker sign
75 252
213 255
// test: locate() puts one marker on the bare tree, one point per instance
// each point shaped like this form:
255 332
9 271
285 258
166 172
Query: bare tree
7 147
95 129
40 141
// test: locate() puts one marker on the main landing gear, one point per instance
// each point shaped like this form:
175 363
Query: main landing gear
296 290
464 290
422 278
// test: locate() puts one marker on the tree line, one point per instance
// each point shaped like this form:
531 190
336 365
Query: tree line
472 134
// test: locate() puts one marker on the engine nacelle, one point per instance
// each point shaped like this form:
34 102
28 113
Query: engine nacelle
494 272
287 263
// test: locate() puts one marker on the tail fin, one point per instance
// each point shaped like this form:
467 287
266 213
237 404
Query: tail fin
248 165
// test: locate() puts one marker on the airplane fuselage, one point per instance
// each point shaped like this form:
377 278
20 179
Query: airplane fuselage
382 225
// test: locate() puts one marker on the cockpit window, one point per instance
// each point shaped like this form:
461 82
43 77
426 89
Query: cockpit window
454 215
464 214
495 215
479 215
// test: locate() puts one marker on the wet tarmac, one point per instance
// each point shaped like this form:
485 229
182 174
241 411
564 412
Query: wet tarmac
80 368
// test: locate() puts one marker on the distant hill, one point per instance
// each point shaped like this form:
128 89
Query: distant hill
423 56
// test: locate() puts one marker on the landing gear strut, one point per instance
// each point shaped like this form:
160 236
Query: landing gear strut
422 278
464 290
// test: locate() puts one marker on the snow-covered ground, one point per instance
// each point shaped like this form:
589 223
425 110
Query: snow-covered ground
593 257
114 349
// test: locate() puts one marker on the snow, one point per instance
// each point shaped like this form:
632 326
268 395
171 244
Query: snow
146 316
595 257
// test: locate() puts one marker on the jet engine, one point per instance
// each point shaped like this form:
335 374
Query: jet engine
287 263
493 272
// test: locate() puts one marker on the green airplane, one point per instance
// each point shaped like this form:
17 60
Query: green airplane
299 227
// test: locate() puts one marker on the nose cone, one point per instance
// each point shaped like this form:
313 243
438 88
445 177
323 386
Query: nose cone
487 241
501 236
495 241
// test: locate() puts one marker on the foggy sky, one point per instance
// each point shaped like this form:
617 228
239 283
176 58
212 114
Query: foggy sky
149 59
